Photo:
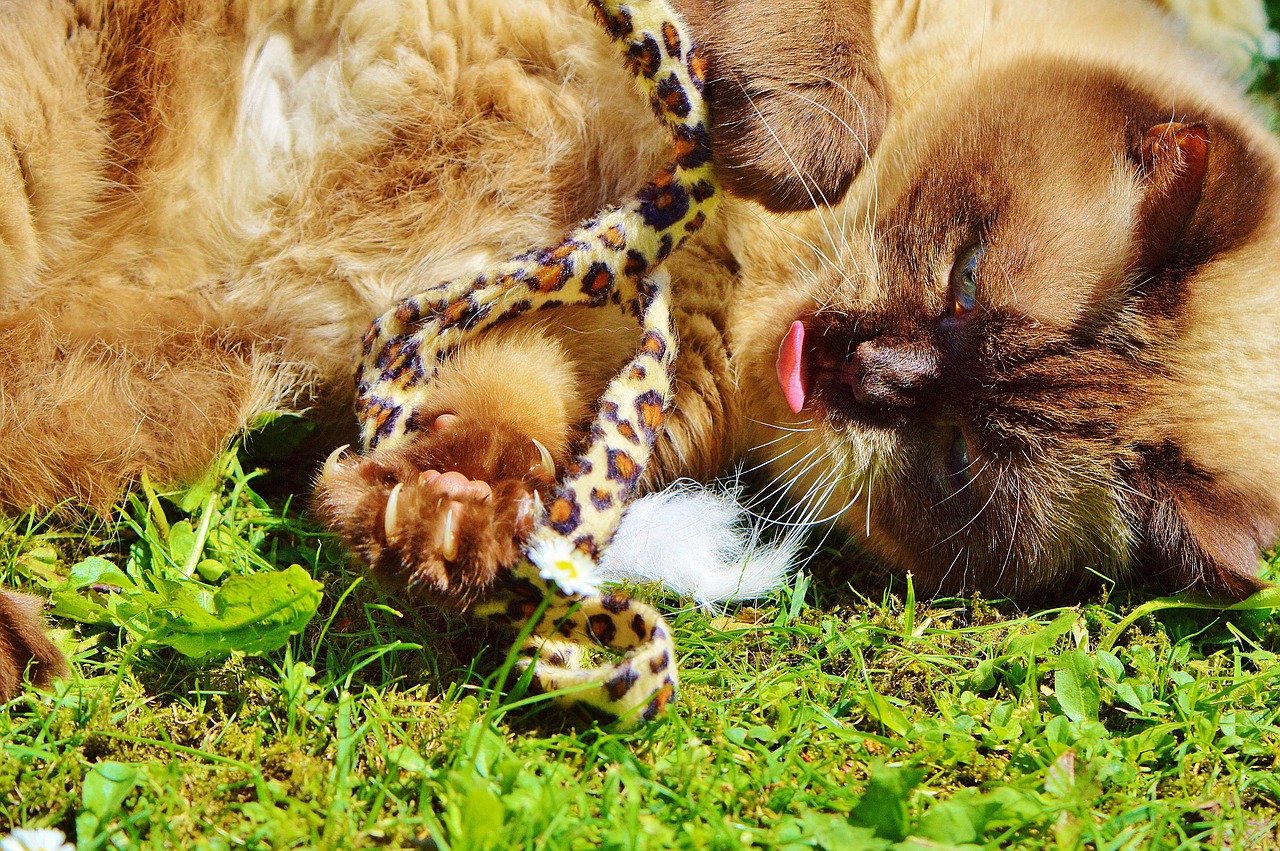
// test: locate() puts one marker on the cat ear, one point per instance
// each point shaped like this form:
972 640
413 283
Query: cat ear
1173 160
1195 532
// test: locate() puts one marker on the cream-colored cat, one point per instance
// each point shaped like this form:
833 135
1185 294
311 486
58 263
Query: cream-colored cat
1034 345
203 204
1034 341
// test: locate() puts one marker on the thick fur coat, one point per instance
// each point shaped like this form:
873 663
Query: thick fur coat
202 205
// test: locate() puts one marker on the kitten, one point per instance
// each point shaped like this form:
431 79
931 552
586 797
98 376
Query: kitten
203 204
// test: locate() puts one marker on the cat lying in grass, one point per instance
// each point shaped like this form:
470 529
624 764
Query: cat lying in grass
1031 343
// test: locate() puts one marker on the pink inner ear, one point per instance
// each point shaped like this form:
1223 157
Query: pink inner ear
791 372
1175 160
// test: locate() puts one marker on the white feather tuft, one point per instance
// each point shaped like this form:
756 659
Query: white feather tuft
701 543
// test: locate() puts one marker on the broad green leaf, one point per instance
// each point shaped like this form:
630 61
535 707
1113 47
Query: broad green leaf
1039 643
210 569
983 677
834 833
949 822
883 807
1267 598
889 716
69 604
1075 684
1125 692
255 613
182 540
763 734
406 758
1109 665
482 813
95 570
106 787
71 600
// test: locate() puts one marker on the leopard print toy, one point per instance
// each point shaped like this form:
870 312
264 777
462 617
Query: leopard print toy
611 259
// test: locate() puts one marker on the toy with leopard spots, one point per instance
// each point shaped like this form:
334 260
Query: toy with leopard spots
611 262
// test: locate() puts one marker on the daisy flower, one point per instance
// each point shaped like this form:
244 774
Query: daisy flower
39 839
559 561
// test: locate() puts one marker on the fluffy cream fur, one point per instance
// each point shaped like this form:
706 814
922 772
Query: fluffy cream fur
203 204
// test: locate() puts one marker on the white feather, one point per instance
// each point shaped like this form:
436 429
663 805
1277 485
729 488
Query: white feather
701 543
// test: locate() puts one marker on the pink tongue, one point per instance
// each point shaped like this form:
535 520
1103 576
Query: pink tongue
791 367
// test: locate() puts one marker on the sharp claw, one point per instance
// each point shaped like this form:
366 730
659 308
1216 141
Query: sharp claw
449 534
544 458
537 506
331 463
389 516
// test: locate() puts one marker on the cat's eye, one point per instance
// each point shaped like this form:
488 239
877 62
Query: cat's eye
964 280
959 461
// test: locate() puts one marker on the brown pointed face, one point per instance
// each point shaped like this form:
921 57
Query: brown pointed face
999 373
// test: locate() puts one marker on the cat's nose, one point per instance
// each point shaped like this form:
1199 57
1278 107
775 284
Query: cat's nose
887 373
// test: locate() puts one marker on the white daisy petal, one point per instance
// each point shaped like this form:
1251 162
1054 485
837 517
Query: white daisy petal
559 561
36 839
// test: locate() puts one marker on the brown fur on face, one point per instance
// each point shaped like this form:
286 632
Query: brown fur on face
1056 432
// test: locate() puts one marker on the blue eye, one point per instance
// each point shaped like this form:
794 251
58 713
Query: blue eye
959 462
964 280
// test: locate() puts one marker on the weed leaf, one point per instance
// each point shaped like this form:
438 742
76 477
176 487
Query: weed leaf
834 833
1075 684
252 614
883 807
889 716
104 791
1039 643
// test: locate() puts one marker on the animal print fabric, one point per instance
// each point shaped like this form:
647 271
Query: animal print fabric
613 259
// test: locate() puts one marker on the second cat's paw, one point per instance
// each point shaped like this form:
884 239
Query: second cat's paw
797 97
440 517
25 646
793 146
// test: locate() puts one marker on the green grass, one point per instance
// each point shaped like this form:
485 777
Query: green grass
823 719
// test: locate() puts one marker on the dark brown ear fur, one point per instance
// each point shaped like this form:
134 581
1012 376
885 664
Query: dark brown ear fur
24 645
1206 190
1197 532
1174 160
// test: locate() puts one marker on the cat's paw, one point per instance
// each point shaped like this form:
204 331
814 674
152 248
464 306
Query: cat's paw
797 99
794 146
24 645
440 517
